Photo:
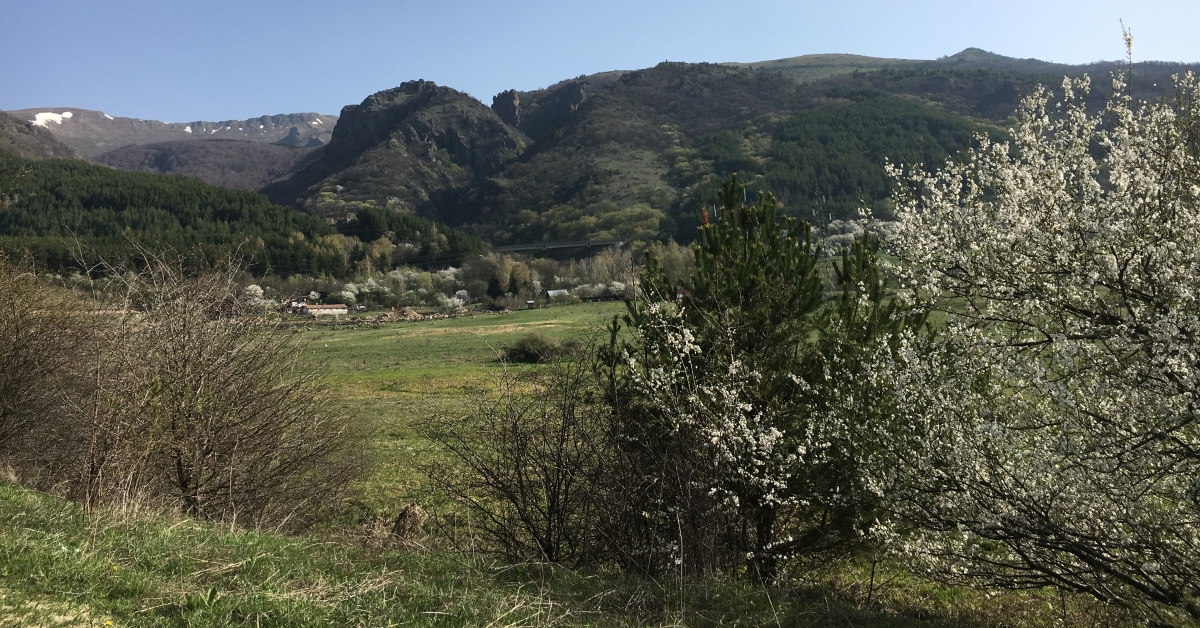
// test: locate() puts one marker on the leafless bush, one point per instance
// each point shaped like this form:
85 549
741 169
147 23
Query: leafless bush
179 396
40 330
530 464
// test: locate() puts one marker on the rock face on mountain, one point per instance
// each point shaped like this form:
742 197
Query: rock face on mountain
507 105
416 147
30 142
539 113
233 164
94 132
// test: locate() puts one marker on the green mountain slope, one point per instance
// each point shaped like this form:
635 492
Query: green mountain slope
808 68
629 155
826 160
611 166
240 165
973 82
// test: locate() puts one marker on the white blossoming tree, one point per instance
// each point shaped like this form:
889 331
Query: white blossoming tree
1055 424
755 405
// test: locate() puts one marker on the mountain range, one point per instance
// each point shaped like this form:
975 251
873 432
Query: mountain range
624 154
93 133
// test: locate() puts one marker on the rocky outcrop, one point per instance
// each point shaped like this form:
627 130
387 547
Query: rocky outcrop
539 113
416 147
507 105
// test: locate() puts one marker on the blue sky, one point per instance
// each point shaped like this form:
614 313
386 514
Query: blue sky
178 60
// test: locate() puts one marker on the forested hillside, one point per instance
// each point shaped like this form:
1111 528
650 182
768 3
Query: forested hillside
70 214
621 155
241 165
634 155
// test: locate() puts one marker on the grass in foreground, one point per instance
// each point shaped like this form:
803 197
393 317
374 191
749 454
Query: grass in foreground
60 566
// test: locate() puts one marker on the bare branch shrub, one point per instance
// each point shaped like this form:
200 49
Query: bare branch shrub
530 464
39 331
181 396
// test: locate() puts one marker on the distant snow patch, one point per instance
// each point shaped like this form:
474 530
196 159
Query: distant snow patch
260 126
109 117
214 130
42 118
187 129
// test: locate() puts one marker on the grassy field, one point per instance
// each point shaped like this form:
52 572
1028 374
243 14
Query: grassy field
392 377
60 566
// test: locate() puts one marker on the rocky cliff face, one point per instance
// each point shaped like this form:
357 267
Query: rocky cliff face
538 113
414 148
94 132
593 153
507 105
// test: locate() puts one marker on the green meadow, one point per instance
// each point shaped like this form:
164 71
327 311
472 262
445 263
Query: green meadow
392 376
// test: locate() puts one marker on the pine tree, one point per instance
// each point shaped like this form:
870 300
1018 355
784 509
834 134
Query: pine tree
494 289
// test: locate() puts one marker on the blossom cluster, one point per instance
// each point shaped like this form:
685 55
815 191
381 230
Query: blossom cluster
1055 415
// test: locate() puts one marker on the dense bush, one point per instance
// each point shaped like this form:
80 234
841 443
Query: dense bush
41 330
171 394
535 348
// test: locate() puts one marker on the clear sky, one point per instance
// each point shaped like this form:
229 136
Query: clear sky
181 60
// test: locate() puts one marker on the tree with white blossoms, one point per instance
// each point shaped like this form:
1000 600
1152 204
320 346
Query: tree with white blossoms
750 390
1054 425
